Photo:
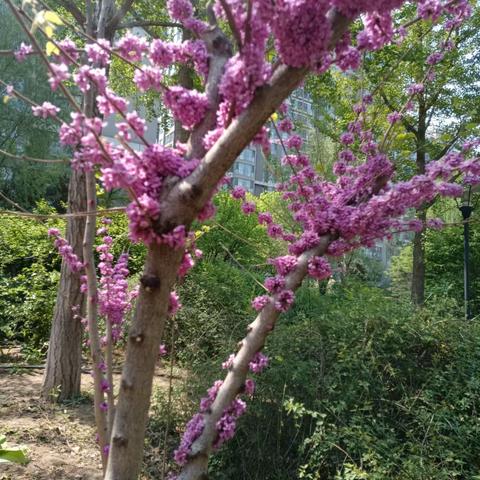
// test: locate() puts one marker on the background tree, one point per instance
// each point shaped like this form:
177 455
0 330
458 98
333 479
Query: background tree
22 180
439 119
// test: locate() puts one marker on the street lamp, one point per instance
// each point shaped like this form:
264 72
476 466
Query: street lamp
466 208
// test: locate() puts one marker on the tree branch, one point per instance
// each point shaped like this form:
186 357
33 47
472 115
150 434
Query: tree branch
148 24
31 159
11 53
188 197
258 330
119 15
185 199
408 126
448 146
231 23
74 11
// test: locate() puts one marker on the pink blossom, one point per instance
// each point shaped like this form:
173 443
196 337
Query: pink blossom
430 9
227 364
162 350
22 52
347 138
187 106
174 303
394 117
274 284
265 218
132 47
45 110
284 300
180 9
415 88
258 363
319 268
59 75
66 251
148 78
68 52
285 125
294 142
238 192
98 53
285 264
162 53
192 432
186 265
259 303
249 387
248 207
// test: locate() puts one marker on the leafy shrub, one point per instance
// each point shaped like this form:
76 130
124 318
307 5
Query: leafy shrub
29 272
216 309
360 387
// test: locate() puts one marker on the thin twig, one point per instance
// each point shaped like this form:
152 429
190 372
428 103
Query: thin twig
32 159
27 100
243 268
48 216
36 45
11 202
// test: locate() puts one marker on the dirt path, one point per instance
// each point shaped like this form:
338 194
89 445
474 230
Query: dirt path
59 438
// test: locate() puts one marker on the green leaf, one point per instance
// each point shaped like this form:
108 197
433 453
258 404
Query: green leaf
13 455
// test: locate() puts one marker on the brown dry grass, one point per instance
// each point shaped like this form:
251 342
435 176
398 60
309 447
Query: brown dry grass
59 439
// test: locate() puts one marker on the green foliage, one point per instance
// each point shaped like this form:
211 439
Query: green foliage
15 455
29 272
444 265
231 233
360 386
23 134
212 318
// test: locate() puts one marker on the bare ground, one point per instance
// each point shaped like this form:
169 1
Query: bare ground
59 439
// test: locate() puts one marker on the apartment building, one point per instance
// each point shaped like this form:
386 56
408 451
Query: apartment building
252 170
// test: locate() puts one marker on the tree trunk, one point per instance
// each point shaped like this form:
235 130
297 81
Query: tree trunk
418 264
62 373
63 370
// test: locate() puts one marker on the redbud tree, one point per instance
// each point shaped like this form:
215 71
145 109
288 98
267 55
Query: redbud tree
248 57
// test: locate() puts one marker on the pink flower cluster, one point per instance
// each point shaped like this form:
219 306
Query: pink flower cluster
66 251
22 52
187 106
45 110
113 297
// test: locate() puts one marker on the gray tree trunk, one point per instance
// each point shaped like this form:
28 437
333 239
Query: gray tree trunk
418 263
63 370
62 373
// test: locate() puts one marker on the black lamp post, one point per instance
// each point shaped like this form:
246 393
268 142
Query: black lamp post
466 208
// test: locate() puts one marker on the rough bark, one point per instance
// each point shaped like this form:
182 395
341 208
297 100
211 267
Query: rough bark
257 332
418 262
63 369
126 445
62 373
179 207
185 79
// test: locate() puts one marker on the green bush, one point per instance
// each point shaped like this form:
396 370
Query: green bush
360 387
216 310
29 272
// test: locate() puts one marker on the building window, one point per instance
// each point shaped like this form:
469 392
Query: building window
243 169
169 139
248 154
241 182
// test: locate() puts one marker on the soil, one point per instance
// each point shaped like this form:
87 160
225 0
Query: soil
59 439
